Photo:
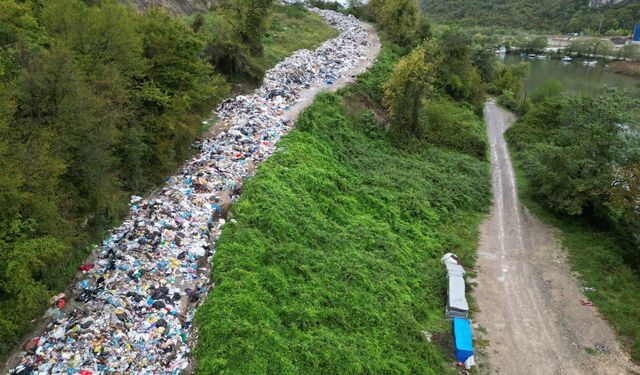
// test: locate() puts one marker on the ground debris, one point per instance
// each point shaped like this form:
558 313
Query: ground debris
138 296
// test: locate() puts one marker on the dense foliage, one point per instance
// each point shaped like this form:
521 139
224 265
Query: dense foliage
507 84
234 32
580 155
434 91
554 16
98 102
578 161
401 20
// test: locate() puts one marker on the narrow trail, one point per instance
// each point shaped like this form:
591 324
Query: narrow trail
529 300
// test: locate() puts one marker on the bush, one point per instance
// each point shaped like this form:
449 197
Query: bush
451 126
324 4
508 100
400 19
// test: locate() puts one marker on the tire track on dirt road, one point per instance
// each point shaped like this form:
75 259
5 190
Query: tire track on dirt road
529 300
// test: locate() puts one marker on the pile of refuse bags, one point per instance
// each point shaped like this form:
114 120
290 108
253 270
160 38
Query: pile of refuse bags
131 311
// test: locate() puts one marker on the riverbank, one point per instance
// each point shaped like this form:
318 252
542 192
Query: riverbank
631 69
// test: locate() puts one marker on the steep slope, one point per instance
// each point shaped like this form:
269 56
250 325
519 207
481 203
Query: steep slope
175 6
544 15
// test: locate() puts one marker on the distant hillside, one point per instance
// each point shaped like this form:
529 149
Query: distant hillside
544 15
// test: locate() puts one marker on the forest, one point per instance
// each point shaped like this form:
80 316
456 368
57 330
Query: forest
98 102
566 16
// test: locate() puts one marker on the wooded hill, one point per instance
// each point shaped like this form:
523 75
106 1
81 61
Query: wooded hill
539 15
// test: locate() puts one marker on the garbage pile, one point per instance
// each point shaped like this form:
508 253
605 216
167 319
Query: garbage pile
457 310
132 310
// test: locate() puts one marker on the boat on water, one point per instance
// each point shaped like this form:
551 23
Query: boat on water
567 59
532 55
590 63
541 57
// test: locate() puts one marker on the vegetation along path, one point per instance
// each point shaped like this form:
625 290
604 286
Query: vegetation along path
530 304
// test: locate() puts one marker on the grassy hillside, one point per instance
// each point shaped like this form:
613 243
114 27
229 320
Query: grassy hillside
333 264
539 15
175 6
293 28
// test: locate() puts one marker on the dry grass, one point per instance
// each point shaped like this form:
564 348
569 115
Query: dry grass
631 69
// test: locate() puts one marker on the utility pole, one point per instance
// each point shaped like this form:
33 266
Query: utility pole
600 27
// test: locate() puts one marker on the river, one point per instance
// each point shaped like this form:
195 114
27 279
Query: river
574 76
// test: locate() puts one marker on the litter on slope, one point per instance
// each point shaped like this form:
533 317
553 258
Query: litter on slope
133 308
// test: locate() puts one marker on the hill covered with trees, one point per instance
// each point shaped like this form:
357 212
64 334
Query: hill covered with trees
538 15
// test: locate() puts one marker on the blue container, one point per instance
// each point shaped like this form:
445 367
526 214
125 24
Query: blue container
636 34
462 340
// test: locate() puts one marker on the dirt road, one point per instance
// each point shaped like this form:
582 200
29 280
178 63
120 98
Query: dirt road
529 301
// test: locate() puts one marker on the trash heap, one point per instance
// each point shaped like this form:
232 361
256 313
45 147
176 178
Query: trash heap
132 310
457 310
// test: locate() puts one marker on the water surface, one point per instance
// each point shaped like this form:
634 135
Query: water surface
574 76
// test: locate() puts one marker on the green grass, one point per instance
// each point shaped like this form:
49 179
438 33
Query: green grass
595 256
333 265
293 29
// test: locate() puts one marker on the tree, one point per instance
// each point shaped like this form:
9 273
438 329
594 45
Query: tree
233 33
457 76
251 18
575 169
536 44
486 62
399 18
413 77
509 78
176 81
103 37
57 106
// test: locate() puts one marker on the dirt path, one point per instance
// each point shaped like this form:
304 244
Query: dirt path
529 301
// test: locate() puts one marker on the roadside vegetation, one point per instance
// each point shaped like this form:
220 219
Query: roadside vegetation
579 169
331 262
98 102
